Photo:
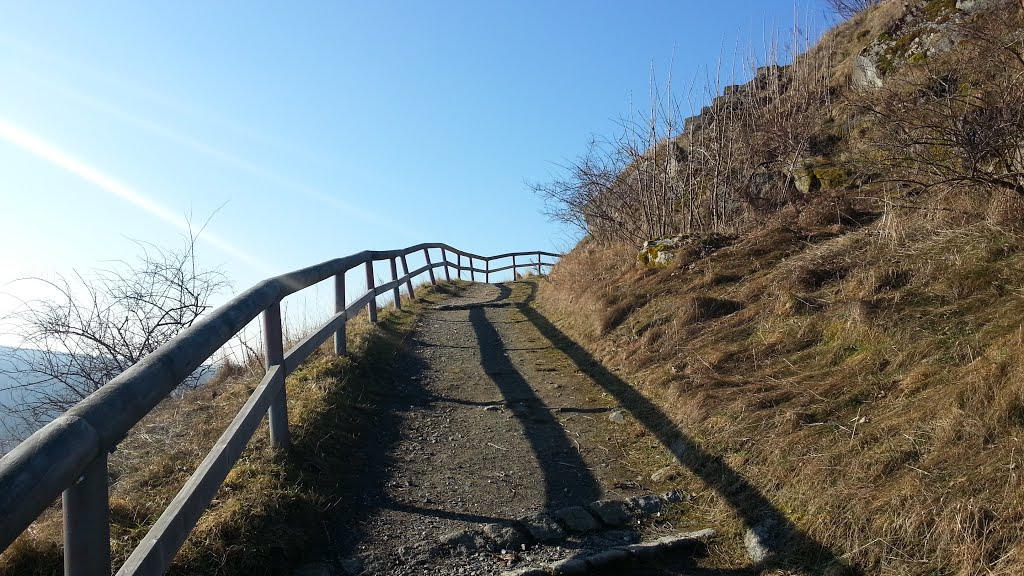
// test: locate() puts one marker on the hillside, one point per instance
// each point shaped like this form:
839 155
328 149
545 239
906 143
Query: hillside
832 315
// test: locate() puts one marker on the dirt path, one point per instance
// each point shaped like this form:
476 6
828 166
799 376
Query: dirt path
487 421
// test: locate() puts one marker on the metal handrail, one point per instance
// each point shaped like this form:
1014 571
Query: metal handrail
69 455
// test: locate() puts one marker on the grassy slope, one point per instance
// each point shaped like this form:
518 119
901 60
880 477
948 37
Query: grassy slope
856 362
268 512
869 384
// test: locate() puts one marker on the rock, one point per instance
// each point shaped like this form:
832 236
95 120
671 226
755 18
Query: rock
805 180
762 540
468 540
686 540
505 537
972 6
674 496
611 512
492 408
602 560
618 416
576 519
666 474
569 567
659 253
646 505
643 550
543 528
865 74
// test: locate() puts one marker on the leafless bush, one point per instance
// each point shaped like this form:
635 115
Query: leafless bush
664 175
621 188
955 122
850 8
95 326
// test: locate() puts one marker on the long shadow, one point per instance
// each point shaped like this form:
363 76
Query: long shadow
800 550
350 459
567 479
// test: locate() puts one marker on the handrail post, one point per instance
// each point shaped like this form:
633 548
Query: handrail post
472 274
447 272
426 254
394 278
371 306
340 343
515 274
408 281
273 345
538 264
87 522
487 271
458 261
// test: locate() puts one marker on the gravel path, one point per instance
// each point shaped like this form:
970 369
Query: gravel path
488 422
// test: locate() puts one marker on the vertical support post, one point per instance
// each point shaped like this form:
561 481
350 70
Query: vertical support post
458 262
472 274
408 281
538 264
87 522
515 273
487 271
340 342
426 254
394 278
273 347
447 272
371 306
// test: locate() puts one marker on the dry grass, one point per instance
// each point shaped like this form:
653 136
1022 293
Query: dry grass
268 512
870 383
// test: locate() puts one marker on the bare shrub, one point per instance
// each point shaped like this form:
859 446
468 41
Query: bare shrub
850 8
954 123
95 326
621 189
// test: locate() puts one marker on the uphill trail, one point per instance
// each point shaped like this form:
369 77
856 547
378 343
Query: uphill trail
484 422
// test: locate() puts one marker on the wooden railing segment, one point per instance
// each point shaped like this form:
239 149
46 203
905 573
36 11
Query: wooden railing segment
69 455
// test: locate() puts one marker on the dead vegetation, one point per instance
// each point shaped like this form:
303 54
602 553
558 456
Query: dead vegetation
870 387
268 512
866 375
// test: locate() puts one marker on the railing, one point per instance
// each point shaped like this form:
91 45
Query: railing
69 455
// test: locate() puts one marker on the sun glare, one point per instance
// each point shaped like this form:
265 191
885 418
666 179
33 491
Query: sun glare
46 151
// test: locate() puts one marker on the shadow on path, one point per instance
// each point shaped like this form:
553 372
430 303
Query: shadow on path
753 507
567 479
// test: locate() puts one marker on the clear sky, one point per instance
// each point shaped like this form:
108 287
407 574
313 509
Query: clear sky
319 129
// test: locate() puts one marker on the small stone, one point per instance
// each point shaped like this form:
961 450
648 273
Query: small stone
761 541
618 416
505 537
492 408
646 505
576 519
543 528
468 540
666 474
611 512
569 567
674 496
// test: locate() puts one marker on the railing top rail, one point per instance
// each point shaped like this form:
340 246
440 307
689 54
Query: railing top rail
36 471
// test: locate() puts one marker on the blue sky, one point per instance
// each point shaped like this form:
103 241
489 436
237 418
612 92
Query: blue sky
318 129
